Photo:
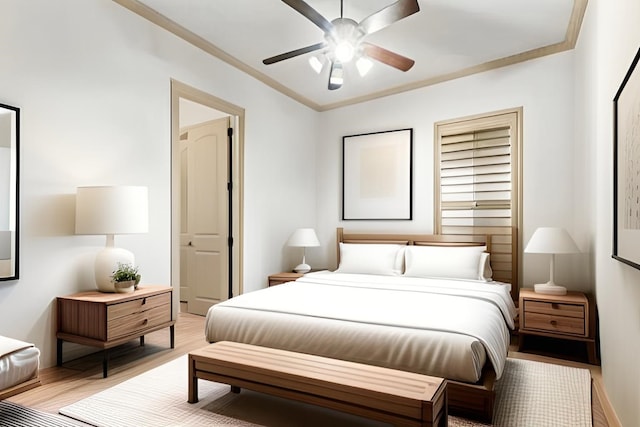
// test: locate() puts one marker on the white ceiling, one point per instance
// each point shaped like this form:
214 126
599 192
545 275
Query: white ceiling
446 38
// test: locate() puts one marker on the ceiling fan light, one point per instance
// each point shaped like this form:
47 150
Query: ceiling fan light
316 64
344 51
363 65
336 78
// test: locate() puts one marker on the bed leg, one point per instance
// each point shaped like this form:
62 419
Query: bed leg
235 389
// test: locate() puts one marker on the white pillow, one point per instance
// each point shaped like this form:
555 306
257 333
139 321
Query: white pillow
453 262
486 273
371 258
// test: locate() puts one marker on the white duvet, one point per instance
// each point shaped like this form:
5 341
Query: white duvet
439 327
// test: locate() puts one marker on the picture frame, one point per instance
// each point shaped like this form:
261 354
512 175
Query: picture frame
626 168
377 175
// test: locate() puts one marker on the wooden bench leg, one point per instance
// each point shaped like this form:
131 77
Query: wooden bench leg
193 382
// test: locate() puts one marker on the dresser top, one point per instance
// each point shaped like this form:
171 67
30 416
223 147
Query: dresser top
569 297
109 298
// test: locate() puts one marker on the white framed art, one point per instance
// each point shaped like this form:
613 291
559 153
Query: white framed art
377 175
626 168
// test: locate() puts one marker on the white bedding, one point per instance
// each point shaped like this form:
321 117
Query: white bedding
441 327
19 362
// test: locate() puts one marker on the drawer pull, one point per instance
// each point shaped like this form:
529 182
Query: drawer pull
145 321
144 301
553 322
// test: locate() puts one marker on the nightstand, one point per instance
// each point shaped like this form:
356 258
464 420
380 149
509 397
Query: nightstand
106 320
286 276
566 317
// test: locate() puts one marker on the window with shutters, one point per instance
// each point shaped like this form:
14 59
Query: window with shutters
477 184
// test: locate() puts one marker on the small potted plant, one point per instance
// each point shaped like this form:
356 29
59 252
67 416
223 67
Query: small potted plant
125 278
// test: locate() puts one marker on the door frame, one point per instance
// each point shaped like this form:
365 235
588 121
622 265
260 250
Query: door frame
181 90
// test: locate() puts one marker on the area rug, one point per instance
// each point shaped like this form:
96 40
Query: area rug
529 394
14 415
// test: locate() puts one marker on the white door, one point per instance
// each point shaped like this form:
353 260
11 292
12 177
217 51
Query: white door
204 250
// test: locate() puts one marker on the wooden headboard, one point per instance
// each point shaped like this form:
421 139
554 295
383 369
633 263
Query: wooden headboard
426 239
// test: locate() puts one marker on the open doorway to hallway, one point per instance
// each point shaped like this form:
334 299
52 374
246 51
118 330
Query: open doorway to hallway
206 200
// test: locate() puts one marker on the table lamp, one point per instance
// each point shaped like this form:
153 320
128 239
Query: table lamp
111 210
305 238
551 240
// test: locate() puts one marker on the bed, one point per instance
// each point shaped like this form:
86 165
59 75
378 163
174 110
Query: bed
19 363
391 302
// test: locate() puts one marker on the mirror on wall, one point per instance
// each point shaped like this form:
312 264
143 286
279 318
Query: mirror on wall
9 181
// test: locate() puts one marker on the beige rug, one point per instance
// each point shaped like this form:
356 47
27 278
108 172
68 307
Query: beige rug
530 394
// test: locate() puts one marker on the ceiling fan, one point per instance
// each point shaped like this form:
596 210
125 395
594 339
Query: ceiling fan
344 39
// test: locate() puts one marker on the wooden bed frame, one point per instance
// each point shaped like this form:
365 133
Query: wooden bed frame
470 400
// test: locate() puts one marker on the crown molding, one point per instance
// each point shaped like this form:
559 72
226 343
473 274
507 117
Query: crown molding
571 37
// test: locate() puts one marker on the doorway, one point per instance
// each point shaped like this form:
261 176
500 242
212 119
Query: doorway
206 199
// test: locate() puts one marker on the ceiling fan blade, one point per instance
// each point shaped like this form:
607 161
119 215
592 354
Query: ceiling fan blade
336 76
311 14
294 53
387 57
387 16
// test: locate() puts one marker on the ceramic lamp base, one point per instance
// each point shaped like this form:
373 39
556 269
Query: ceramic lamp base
107 262
549 289
302 268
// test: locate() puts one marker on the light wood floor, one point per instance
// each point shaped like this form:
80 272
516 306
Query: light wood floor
81 378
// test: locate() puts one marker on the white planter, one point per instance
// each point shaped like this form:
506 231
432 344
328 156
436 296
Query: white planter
123 287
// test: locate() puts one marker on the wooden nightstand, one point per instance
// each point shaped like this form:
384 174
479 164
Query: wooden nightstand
106 320
567 317
286 276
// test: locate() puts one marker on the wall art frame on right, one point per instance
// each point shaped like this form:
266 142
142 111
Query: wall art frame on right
626 168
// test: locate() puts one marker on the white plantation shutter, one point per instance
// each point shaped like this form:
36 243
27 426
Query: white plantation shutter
478 184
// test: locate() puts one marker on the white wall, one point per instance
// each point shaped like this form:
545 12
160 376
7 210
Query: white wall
608 42
543 87
92 80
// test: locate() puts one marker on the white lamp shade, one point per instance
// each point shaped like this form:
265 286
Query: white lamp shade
303 237
109 211
551 240
112 210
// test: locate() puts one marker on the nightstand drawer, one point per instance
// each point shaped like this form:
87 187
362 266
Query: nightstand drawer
116 311
280 278
563 324
555 308
138 322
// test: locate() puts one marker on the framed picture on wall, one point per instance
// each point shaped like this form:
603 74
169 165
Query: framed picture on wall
377 175
626 168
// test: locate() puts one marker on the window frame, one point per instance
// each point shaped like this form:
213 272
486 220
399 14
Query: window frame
511 118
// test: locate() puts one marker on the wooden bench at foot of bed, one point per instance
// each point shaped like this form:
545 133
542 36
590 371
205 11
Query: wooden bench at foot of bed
397 397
